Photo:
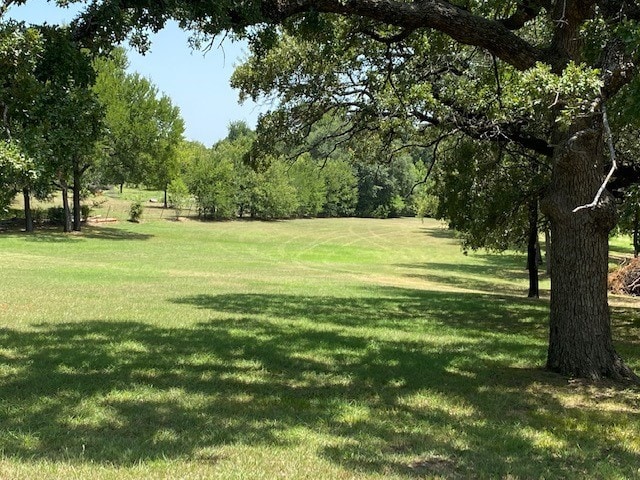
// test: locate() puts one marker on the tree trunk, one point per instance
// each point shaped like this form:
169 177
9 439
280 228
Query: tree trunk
67 210
77 213
580 342
28 217
636 233
547 249
532 250
166 204
121 187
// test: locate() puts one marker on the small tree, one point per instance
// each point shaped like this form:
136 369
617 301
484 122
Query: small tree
211 181
178 195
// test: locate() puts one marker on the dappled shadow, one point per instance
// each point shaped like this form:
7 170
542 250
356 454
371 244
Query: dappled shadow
401 382
56 235
512 280
111 233
618 251
626 325
395 309
441 232
44 235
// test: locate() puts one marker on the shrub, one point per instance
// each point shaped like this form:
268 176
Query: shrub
135 211
38 215
56 215
381 211
85 211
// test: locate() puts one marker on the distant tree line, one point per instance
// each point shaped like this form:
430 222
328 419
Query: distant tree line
71 119
227 181
75 121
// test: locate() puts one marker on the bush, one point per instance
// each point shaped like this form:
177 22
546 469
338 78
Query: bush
38 215
135 211
56 215
85 211
381 211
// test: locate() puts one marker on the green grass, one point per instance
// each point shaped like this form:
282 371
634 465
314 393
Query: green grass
314 349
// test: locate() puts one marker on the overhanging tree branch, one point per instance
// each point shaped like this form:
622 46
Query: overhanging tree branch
460 24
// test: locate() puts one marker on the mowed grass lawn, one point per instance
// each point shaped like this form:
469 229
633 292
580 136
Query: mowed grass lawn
317 349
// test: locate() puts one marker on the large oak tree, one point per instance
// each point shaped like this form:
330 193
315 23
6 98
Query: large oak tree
584 51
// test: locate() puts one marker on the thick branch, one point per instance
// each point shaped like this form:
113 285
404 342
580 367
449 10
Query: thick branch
388 40
459 24
480 127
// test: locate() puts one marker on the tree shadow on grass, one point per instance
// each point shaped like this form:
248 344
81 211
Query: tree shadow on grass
404 382
394 309
441 232
111 233
626 325
504 273
51 235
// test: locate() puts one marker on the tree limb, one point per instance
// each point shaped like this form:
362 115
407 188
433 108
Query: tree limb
612 154
458 23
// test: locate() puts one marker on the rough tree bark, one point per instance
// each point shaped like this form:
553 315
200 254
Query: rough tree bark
580 342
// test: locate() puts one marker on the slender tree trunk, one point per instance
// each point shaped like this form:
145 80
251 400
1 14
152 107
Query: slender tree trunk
636 233
547 249
121 187
77 213
28 217
166 203
532 250
580 341
65 206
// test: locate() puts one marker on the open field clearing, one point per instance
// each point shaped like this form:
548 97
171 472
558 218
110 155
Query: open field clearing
319 349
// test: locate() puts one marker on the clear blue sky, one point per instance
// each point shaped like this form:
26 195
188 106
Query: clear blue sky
197 83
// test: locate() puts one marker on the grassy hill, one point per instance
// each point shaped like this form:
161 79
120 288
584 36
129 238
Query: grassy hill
337 349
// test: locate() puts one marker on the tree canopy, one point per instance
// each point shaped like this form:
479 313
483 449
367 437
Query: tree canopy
144 127
532 76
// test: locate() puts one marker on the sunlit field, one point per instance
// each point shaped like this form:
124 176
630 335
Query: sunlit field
318 349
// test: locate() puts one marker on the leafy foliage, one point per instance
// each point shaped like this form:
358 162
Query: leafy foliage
144 128
16 171
135 211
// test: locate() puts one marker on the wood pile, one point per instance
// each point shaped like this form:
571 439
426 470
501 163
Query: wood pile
626 278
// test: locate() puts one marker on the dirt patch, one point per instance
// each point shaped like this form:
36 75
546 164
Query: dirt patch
91 220
434 464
